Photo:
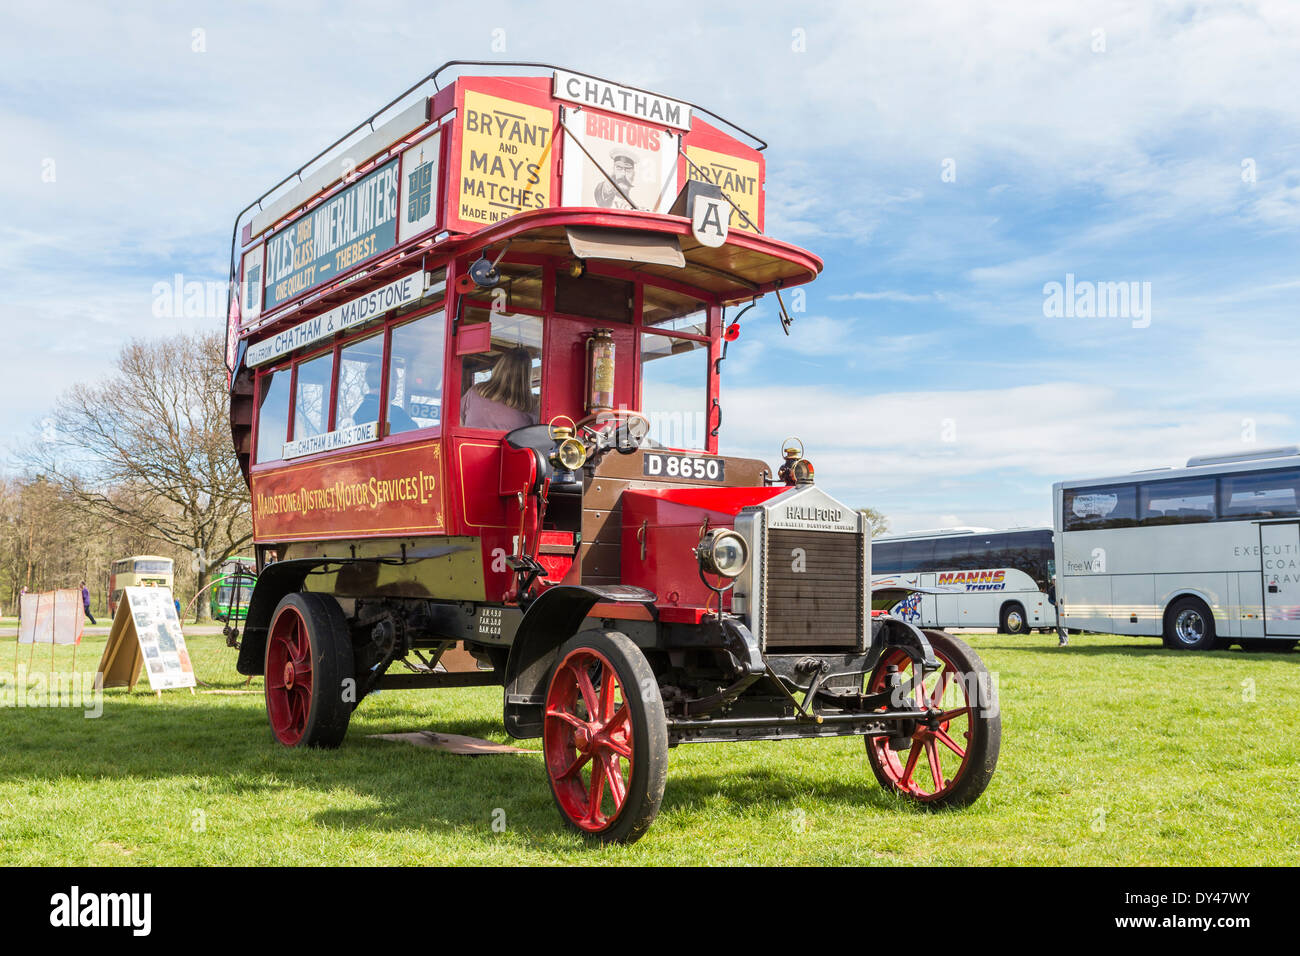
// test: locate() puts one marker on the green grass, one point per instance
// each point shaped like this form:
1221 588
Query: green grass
1114 751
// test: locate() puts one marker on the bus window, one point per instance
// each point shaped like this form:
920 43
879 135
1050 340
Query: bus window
1111 506
360 366
1176 502
1267 494
674 390
501 388
311 405
273 416
415 375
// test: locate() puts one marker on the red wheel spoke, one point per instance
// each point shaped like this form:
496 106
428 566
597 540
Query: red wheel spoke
943 738
941 687
597 793
574 767
948 716
936 772
619 747
588 692
614 777
566 717
608 683
618 721
905 781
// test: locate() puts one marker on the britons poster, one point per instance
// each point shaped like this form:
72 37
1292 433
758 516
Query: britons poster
637 163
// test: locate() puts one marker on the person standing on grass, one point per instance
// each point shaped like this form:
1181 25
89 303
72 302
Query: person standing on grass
85 601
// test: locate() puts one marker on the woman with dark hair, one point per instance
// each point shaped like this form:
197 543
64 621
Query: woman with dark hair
505 401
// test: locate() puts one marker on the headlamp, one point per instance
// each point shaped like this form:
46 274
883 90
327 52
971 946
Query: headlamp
571 454
723 552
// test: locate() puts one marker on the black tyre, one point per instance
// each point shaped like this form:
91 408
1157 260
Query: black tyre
310 687
605 738
947 762
1013 619
1189 626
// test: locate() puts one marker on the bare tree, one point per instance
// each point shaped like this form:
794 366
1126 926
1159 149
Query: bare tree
878 522
148 450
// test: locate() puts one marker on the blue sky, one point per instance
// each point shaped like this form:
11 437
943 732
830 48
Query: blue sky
947 160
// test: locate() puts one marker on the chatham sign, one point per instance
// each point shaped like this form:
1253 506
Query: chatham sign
589 91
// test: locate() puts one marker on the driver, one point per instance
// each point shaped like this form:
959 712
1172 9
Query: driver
368 410
505 401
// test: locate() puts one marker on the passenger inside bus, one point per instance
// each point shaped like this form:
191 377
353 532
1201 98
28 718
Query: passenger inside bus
505 401
368 410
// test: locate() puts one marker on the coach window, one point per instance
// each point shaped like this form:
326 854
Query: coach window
311 401
415 374
1267 494
361 366
1112 506
273 416
501 387
1176 502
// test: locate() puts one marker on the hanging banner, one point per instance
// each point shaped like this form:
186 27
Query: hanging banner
353 225
739 179
362 309
51 617
505 159
640 160
146 633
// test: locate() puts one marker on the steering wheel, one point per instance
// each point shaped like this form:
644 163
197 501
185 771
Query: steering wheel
619 428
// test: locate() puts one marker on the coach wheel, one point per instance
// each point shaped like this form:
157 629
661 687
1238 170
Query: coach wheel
1189 626
1014 620
949 759
308 659
604 737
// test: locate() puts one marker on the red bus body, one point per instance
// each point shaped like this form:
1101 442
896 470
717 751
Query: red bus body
459 231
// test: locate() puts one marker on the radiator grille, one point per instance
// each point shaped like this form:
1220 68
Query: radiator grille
822 605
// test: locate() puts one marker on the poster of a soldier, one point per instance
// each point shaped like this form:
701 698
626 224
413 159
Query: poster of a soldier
638 164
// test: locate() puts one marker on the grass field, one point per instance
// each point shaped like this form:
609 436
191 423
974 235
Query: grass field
1114 751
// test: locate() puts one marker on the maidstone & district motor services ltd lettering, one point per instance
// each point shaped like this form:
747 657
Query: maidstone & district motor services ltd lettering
384 490
344 496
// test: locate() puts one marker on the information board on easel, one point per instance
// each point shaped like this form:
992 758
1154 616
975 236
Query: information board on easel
146 634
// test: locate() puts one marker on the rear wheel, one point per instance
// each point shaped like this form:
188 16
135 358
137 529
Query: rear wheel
604 737
1189 626
308 658
949 759
1013 619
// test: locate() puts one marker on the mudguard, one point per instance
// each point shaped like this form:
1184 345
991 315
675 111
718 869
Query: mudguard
549 621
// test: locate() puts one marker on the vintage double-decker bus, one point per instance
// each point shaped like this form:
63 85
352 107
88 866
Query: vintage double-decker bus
139 570
231 588
476 350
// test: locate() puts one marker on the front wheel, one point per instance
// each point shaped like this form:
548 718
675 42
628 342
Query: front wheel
1189 626
949 759
605 738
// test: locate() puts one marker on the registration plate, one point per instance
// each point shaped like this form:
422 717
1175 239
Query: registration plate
685 467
